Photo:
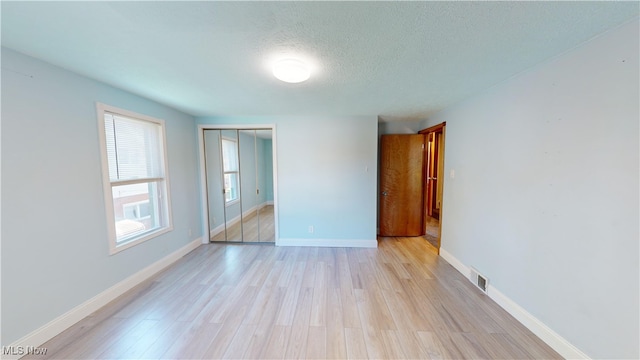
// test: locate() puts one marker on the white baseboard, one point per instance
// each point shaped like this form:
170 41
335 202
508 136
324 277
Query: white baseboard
342 243
64 321
555 341
546 334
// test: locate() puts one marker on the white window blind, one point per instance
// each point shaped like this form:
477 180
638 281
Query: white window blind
133 148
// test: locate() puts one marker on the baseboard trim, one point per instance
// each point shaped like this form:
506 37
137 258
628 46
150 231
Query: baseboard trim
555 341
545 333
340 243
66 320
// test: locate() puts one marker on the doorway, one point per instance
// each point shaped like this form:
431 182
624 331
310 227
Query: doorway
433 182
238 184
401 185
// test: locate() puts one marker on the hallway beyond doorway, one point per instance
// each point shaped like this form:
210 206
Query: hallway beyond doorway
432 232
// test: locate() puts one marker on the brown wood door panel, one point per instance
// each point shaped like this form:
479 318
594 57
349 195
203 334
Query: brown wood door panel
401 185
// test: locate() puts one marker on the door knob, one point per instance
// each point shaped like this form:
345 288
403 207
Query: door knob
384 193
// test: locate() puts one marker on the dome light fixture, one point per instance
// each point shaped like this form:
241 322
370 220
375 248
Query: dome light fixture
291 70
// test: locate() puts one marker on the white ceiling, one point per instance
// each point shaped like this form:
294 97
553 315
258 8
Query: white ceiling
398 60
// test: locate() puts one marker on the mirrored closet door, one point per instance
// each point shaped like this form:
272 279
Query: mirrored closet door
239 179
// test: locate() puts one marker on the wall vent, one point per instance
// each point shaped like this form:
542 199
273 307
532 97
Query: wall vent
479 280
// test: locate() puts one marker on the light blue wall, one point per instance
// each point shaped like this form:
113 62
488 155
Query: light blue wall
544 201
326 174
55 253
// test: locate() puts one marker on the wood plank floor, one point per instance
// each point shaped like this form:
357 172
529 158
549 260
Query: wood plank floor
399 301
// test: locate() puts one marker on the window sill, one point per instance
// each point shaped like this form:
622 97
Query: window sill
232 202
116 248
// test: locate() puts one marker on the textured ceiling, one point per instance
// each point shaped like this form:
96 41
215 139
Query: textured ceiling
398 60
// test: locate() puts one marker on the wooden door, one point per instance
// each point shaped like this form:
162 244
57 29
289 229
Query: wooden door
401 185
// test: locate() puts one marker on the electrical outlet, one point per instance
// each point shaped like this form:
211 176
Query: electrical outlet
310 229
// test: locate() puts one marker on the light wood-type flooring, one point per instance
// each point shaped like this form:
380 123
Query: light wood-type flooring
257 226
399 301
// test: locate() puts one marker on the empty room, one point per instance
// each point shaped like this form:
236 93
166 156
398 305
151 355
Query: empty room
320 180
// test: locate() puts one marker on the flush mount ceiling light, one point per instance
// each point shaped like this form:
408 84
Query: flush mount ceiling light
291 71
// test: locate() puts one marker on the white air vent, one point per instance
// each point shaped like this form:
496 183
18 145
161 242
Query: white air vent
479 280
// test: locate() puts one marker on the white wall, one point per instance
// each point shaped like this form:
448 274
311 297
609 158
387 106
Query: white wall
326 176
545 196
55 253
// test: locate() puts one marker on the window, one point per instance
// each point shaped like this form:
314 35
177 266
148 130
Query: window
135 178
230 168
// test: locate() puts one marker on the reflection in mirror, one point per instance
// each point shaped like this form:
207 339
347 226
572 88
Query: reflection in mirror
213 171
231 182
249 186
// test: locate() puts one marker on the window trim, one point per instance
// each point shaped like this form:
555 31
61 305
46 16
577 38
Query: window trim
114 246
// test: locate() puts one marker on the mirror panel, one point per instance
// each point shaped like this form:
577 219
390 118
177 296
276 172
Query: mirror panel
250 228
232 190
215 198
266 220
239 179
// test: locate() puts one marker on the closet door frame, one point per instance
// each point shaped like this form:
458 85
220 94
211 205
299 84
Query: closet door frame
203 176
